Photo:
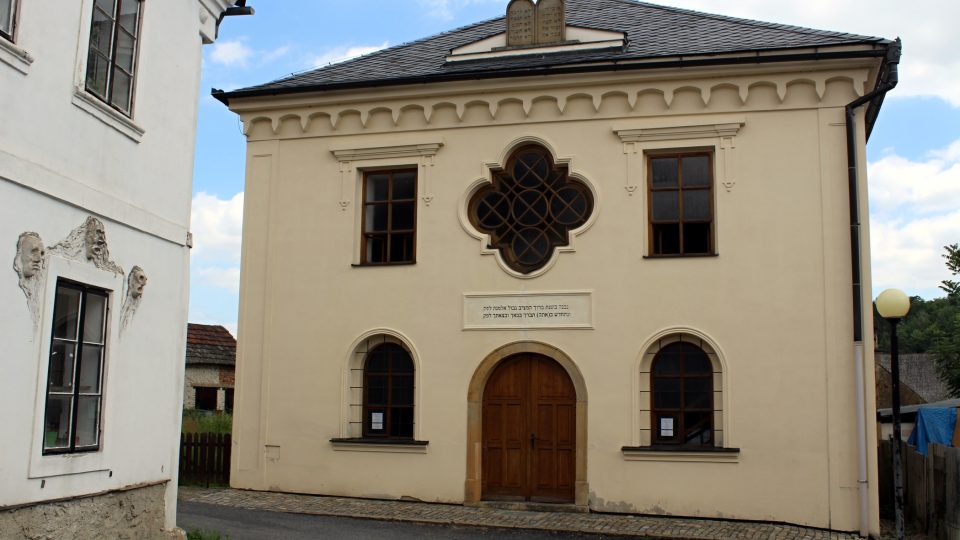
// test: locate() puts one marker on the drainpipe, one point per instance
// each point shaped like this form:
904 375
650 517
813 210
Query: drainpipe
888 80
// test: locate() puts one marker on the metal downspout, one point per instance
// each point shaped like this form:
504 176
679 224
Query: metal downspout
885 85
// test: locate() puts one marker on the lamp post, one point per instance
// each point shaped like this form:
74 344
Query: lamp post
893 305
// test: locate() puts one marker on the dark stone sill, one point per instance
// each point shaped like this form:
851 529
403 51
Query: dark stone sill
380 265
391 442
691 256
682 449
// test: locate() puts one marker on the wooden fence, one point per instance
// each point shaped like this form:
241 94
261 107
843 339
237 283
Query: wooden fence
931 488
205 459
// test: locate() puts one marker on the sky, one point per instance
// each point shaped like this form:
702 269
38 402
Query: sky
913 154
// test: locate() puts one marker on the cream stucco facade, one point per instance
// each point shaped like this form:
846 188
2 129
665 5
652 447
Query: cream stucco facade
772 308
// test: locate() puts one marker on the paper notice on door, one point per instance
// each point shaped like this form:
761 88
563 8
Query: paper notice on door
376 421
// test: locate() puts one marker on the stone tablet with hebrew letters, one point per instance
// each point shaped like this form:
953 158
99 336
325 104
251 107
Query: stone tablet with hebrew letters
551 21
521 23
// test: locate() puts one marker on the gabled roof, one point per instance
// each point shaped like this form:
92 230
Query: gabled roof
210 345
919 372
653 32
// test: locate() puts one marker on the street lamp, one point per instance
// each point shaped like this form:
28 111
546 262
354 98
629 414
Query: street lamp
893 305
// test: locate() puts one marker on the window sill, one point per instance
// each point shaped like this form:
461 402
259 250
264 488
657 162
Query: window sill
396 446
681 454
15 57
691 256
106 114
379 265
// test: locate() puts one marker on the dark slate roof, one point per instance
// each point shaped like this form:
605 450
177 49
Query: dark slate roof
652 32
210 345
919 372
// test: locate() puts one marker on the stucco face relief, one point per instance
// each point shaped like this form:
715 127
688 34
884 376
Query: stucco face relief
29 264
136 282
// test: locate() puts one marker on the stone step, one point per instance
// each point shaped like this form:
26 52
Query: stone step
527 506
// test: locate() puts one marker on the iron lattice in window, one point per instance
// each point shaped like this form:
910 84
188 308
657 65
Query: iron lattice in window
530 208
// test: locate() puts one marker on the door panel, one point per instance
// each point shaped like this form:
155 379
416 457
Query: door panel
529 431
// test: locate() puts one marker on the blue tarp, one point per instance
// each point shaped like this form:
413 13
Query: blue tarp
935 425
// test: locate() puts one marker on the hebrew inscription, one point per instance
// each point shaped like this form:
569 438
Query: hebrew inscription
521 21
551 21
527 310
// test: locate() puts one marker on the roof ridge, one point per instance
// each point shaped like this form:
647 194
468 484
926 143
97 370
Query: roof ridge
740 20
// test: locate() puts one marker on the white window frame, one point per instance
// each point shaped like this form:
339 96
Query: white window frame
45 466
11 54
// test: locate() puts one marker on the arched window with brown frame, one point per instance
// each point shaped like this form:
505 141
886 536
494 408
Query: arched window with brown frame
388 376
530 208
681 384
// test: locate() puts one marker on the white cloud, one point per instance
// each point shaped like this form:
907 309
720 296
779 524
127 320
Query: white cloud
342 53
217 226
231 53
221 278
276 54
915 211
928 27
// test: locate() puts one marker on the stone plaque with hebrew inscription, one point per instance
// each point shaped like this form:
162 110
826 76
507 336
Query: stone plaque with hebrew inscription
521 311
551 23
521 23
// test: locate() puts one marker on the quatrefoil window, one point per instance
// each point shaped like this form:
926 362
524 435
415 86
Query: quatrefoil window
530 208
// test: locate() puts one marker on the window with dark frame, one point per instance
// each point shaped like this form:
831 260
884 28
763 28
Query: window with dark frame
112 57
228 400
72 414
530 208
681 204
8 18
389 217
388 393
205 399
681 384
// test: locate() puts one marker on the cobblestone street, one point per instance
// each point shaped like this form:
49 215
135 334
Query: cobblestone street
416 512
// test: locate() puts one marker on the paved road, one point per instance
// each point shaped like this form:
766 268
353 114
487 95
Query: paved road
242 524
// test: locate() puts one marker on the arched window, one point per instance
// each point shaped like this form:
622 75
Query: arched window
682 400
388 393
530 208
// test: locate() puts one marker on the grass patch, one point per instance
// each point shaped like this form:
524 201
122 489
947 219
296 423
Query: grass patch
198 534
204 422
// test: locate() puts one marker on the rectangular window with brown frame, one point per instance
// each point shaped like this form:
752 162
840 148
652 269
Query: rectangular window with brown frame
112 56
75 376
389 217
8 18
681 204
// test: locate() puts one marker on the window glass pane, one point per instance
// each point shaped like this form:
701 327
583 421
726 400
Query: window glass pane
62 362
376 249
6 16
668 361
696 205
122 88
56 426
101 32
666 239
664 174
376 217
129 15
531 246
378 187
405 185
695 361
666 205
530 169
401 362
378 360
402 391
493 210
569 206
66 312
125 48
696 238
205 399
90 364
403 216
696 171
666 393
696 400
93 318
106 5
88 420
697 427
401 248
97 71
401 422
376 389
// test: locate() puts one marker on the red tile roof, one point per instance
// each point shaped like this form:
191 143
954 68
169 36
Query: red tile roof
208 344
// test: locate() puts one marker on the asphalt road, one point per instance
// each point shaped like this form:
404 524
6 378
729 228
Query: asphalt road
241 524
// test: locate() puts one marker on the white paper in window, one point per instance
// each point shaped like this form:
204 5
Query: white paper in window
666 427
376 421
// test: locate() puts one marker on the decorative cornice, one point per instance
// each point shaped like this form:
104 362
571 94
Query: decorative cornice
387 152
673 133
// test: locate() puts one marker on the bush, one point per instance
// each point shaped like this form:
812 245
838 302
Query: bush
198 534
206 422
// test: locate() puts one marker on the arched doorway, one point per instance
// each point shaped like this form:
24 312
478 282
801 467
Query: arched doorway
529 435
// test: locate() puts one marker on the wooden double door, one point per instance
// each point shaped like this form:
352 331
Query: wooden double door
529 431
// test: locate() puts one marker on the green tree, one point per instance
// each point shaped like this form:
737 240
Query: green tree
946 345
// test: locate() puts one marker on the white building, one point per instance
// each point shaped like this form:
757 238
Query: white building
96 155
